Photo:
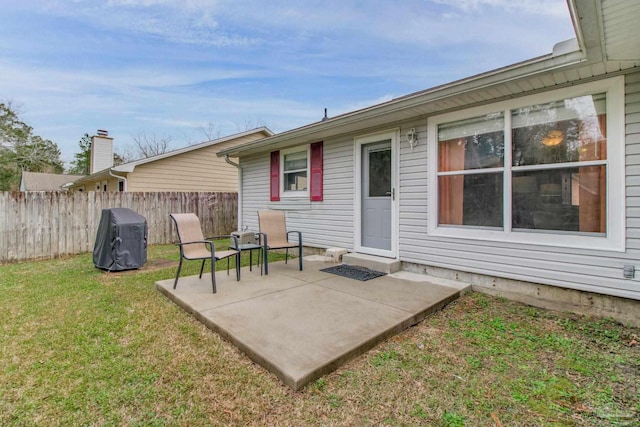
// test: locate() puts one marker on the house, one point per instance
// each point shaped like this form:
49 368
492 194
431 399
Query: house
40 181
523 181
192 168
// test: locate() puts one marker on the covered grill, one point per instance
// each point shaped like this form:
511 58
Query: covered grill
121 241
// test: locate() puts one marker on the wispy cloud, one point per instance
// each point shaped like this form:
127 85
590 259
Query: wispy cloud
527 7
189 21
170 66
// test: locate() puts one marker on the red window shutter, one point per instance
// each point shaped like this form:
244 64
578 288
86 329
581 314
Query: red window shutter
275 176
315 183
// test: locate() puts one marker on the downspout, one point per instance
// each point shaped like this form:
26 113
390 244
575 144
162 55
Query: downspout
228 160
119 177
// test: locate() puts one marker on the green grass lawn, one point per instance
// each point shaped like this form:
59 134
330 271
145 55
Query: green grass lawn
83 347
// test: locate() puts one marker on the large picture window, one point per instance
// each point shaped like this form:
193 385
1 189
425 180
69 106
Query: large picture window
542 165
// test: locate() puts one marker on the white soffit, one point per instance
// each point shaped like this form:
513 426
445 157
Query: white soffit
620 19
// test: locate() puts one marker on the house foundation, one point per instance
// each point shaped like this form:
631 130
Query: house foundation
623 310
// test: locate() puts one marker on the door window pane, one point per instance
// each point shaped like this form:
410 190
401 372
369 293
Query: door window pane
379 173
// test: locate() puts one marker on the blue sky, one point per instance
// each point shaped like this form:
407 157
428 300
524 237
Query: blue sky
170 68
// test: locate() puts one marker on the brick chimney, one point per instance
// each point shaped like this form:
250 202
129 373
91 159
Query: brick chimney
101 152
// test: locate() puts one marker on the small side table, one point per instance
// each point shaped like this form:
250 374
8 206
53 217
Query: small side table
251 247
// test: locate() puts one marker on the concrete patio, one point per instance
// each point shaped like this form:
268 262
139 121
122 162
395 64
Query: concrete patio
301 325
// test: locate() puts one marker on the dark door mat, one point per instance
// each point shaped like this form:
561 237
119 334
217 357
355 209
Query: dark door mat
353 272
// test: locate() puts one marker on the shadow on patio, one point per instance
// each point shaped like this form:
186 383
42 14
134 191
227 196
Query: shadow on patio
301 325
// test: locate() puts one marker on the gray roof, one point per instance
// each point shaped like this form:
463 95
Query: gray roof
40 181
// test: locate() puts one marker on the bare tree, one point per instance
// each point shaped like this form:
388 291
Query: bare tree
211 131
147 145
249 124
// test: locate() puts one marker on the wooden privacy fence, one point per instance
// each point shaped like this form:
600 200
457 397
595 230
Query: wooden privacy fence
46 224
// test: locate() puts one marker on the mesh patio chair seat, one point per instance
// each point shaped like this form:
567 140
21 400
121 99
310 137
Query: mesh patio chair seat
193 246
273 228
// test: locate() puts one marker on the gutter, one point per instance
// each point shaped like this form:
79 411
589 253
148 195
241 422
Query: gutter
565 54
577 27
119 177
237 165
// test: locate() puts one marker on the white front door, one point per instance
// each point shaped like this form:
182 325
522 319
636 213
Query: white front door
376 195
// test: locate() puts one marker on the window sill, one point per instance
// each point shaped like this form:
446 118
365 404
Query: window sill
556 240
294 195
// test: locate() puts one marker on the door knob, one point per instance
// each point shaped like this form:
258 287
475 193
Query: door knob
392 193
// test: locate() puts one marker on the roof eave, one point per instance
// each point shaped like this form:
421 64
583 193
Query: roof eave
129 167
90 178
559 59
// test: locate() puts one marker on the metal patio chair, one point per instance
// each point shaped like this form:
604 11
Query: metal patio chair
193 246
273 228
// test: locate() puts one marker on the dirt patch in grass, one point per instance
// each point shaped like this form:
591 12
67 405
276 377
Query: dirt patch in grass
150 265
76 352
154 264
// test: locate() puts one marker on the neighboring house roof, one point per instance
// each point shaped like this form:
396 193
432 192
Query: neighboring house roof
602 46
39 181
130 166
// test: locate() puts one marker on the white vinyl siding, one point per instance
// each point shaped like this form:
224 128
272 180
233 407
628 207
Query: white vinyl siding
323 224
632 123
583 269
330 223
412 188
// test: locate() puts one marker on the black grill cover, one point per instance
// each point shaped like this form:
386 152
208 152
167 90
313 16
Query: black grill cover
121 242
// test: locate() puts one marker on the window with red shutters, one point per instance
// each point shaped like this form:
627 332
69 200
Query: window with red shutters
313 170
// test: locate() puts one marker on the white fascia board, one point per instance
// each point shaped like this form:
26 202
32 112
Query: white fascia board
577 24
93 177
386 111
127 167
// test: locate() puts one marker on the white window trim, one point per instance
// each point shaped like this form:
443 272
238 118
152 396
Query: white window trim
291 193
616 217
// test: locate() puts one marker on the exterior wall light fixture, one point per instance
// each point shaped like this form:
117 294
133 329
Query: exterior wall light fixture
412 138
